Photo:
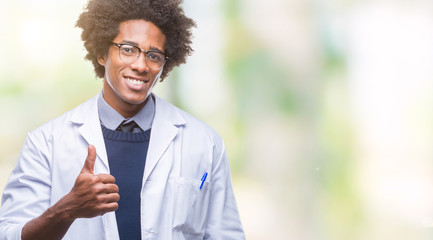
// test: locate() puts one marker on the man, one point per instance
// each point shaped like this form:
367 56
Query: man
124 164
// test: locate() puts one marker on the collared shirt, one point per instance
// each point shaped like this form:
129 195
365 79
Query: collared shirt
111 119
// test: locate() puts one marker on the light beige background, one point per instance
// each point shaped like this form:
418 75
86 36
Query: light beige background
326 107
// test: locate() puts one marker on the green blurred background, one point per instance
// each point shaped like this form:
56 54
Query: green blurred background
326 106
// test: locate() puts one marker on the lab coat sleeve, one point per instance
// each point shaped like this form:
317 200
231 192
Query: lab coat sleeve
223 218
27 192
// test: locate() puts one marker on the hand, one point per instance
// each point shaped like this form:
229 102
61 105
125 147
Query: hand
92 195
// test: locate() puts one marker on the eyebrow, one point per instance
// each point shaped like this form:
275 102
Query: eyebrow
136 45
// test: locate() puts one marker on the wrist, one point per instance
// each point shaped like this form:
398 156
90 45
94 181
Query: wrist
61 212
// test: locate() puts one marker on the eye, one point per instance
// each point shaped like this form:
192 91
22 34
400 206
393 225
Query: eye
128 50
155 56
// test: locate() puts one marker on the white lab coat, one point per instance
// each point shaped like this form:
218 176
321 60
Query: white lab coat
173 206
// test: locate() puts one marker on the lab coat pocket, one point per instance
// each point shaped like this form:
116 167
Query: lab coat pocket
190 207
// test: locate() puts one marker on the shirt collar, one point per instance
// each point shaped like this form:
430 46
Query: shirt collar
111 119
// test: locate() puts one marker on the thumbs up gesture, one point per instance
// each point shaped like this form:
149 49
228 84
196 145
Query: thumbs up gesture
92 195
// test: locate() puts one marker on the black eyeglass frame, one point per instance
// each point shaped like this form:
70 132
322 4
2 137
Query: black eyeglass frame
166 58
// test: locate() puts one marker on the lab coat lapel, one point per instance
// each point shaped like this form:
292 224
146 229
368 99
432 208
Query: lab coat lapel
165 127
91 131
87 116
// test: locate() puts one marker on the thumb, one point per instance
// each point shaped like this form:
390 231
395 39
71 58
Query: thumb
89 164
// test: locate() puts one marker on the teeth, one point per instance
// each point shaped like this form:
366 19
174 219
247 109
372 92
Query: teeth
135 81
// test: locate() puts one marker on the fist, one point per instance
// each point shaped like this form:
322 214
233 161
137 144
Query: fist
92 195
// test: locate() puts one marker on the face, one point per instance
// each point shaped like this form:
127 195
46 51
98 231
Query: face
126 86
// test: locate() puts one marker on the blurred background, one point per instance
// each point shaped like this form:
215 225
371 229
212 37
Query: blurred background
326 106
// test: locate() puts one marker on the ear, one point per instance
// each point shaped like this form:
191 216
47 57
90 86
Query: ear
102 60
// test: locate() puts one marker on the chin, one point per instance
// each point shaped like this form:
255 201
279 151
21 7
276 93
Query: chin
134 101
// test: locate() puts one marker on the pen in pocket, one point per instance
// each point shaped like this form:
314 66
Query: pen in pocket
203 179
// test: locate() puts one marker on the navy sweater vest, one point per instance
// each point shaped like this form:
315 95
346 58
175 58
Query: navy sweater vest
126 156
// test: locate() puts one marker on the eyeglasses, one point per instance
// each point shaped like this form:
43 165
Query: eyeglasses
129 54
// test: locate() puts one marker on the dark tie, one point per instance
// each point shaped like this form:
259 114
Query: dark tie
127 127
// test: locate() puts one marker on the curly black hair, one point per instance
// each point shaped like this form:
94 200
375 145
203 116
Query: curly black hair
101 19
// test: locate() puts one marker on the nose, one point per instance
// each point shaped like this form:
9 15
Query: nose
140 65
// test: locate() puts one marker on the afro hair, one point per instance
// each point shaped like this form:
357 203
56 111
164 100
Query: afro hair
101 19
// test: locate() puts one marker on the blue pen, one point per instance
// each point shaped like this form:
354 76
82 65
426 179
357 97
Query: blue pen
203 179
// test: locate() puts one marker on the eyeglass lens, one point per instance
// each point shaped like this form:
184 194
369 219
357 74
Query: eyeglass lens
129 54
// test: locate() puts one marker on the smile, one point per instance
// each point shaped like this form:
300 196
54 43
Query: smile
136 81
